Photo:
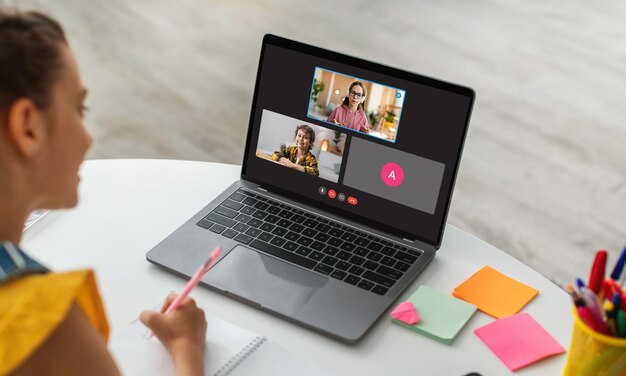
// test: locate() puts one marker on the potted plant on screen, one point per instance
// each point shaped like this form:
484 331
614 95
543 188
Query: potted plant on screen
318 87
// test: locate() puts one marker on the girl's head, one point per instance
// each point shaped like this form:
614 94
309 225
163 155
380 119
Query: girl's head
356 96
305 137
42 138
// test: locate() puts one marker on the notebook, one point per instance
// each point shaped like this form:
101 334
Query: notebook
346 182
230 350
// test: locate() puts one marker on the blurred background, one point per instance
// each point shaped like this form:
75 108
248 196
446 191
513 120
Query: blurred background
543 175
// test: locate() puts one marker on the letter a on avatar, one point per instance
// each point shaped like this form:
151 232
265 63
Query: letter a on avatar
392 175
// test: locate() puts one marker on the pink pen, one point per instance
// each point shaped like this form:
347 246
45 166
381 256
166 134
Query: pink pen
589 319
193 282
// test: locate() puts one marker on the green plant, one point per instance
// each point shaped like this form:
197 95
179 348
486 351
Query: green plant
318 87
390 116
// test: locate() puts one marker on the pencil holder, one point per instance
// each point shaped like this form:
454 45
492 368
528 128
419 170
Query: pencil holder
592 353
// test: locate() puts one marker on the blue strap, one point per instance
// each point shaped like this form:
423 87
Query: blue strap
15 263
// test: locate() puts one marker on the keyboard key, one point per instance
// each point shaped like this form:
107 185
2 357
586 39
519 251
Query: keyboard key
374 246
336 232
220 219
292 236
343 265
331 250
356 270
401 266
405 257
255 223
374 256
232 204
323 220
278 241
324 269
261 198
267 227
281 253
315 255
309 232
237 197
296 227
365 285
380 279
323 228
250 201
304 241
386 242
361 241
318 246
298 218
259 214
229 233
285 214
284 223
290 246
310 223
241 227
304 251
348 246
245 239
272 209
334 241
388 251
388 272
380 290
329 260
253 232
360 251
247 210
266 237
352 279
205 223
388 261
261 205
343 255
279 231
348 237
357 260
243 218
338 274
271 219
322 237
217 228
246 193
226 212
371 265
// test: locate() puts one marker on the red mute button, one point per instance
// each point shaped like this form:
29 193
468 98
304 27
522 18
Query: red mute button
352 200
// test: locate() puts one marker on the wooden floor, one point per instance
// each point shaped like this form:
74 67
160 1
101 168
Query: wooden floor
543 175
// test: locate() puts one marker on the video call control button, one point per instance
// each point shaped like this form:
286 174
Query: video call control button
352 200
341 197
322 190
332 193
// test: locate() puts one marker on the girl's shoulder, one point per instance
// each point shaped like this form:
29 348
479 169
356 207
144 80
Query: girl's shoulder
34 305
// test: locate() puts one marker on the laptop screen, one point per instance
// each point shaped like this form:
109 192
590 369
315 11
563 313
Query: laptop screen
362 140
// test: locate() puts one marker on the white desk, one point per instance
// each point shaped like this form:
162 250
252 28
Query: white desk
128 206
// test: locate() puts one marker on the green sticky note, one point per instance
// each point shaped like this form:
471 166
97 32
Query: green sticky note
441 316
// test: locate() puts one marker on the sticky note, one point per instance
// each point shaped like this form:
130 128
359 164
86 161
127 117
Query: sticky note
518 341
441 316
406 313
494 293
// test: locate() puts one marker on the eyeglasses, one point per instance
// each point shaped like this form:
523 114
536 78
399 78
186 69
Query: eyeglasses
356 95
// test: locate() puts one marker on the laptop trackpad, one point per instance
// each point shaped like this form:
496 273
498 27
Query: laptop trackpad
265 280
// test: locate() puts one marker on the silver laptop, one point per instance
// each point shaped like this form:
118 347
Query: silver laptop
345 187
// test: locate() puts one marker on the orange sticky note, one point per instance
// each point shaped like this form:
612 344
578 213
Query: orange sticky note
494 293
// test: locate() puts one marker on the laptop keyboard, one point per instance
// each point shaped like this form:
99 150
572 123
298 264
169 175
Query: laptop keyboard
316 243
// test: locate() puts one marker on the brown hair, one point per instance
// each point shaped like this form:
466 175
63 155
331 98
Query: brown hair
345 100
308 130
30 58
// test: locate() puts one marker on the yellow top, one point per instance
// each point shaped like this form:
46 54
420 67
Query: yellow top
33 306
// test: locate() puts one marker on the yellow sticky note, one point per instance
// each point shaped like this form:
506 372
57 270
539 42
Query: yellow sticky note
494 293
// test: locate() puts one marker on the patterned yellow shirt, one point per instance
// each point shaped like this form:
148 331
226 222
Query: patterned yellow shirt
309 162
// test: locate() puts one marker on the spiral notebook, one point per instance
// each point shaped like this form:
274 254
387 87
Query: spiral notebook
230 350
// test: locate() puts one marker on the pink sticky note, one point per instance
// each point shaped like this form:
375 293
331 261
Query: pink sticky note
406 313
518 341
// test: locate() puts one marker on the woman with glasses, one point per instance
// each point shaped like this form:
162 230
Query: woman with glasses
54 323
351 114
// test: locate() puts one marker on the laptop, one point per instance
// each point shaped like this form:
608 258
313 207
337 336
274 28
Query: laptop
345 186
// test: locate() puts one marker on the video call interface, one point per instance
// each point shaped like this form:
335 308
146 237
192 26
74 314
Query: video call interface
373 147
